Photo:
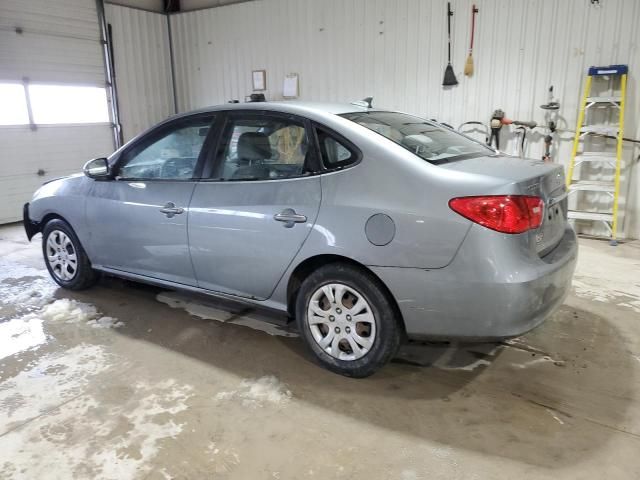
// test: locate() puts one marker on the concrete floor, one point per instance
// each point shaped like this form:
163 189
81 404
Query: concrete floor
121 381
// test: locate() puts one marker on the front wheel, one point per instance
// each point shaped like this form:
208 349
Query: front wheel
65 258
348 320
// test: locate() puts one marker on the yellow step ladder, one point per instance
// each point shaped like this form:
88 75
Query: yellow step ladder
616 78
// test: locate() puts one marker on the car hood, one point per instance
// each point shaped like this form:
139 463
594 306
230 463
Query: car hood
62 178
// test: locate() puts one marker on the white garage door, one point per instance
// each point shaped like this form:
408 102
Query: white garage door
51 53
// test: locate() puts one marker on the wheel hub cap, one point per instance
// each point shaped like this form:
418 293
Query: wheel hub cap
61 255
341 321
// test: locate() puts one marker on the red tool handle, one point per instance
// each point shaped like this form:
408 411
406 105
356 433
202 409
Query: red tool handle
474 11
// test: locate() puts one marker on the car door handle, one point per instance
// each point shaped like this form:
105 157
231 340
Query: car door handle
289 217
170 210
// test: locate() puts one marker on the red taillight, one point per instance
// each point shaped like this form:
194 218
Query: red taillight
503 213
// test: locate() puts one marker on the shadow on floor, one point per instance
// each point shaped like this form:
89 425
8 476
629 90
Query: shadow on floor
548 399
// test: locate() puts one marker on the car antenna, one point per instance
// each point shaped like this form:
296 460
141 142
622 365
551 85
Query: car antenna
365 102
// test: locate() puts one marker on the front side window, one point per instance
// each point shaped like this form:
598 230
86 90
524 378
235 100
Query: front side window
263 147
426 139
170 155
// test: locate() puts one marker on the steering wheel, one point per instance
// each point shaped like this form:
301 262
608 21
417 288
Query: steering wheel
170 169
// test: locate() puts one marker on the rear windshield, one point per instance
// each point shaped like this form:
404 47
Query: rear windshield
426 139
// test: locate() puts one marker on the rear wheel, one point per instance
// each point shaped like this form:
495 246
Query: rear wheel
348 320
65 258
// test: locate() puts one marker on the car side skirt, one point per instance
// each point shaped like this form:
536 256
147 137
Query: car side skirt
270 305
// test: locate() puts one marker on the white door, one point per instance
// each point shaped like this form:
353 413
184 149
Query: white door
42 49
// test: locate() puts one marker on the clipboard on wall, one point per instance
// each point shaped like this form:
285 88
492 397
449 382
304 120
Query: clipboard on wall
291 87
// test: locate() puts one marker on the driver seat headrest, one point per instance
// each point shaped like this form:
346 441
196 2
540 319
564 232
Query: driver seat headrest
254 146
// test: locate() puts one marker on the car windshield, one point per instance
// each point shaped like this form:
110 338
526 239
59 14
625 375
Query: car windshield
426 139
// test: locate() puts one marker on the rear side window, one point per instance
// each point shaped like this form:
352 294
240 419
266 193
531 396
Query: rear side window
425 139
335 153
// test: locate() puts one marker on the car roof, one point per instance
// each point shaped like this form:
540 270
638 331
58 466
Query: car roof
295 107
318 111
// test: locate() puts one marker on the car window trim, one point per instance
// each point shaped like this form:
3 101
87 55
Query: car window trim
345 142
156 134
228 116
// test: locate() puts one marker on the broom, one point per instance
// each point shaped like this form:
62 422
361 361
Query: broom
449 76
468 67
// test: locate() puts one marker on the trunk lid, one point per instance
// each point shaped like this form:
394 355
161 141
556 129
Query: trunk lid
532 177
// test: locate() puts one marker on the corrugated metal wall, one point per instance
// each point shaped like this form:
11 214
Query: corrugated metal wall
395 50
187 5
52 44
142 67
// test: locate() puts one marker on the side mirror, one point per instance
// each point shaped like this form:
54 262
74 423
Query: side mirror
98 169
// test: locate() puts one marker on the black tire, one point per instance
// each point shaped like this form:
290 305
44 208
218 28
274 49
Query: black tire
83 276
388 328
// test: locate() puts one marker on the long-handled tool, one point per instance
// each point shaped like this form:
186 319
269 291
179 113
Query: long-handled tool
551 113
449 77
468 67
496 123
498 120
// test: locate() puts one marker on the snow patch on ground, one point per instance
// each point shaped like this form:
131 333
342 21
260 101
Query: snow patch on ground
75 441
57 419
19 335
600 290
105 322
72 311
253 321
27 332
34 292
68 311
259 392
10 269
54 379
25 287
150 422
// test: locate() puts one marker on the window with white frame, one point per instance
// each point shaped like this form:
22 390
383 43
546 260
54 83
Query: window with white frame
13 104
52 104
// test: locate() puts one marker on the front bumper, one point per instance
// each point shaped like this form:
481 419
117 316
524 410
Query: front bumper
488 292
30 227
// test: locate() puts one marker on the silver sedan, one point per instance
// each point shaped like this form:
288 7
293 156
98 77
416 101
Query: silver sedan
367 226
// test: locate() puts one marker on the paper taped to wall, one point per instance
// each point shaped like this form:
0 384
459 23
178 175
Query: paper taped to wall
290 88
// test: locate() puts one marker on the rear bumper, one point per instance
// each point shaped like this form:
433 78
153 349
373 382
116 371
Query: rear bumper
489 291
30 227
